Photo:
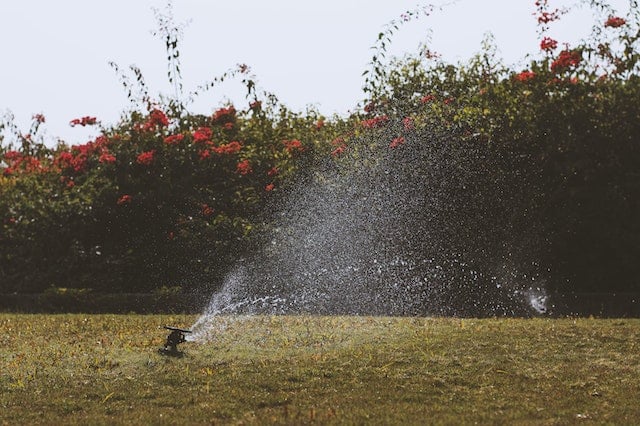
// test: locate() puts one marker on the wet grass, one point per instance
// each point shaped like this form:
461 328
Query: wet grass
105 369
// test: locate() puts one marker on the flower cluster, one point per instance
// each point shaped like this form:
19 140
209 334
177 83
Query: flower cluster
340 146
375 122
565 60
293 146
427 98
408 124
232 147
203 134
146 158
84 121
106 157
396 142
244 167
614 22
157 119
124 199
225 117
17 162
173 139
525 76
548 44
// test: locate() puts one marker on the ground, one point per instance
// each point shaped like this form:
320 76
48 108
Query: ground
105 369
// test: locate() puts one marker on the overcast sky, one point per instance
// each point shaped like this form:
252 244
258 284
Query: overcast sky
55 54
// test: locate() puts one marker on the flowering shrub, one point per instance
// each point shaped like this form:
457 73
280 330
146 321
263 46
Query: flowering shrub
147 198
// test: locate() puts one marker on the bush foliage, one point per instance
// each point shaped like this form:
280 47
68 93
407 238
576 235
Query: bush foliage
170 198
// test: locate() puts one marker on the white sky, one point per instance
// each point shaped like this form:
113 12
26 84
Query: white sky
55 54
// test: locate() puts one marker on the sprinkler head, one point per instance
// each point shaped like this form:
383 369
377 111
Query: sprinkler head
173 340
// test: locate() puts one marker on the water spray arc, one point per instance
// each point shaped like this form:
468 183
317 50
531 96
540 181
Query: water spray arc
389 236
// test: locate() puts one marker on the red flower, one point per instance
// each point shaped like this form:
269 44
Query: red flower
375 122
39 118
614 22
125 199
293 145
244 167
269 187
224 115
173 139
206 210
525 76
159 118
566 59
407 122
84 121
146 158
548 44
255 105
202 134
448 101
319 124
106 157
338 151
204 154
427 98
78 162
340 145
156 119
230 148
272 171
396 142
546 17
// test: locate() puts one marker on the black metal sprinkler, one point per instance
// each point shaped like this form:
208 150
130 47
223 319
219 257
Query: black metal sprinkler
173 340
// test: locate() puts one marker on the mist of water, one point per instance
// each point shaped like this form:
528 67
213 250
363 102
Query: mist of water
426 228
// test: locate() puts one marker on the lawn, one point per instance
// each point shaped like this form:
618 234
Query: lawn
105 369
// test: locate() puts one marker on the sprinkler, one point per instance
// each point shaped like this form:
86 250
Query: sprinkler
173 340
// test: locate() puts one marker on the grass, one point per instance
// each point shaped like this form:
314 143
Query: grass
105 369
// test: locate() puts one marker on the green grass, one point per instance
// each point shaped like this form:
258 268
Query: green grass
105 369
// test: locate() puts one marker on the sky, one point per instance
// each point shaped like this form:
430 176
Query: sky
55 54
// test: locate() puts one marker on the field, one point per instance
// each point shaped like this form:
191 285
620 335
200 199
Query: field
105 369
